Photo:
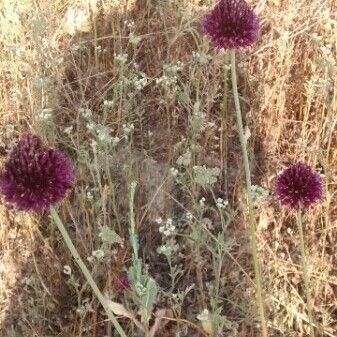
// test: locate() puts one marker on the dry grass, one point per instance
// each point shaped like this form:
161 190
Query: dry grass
288 84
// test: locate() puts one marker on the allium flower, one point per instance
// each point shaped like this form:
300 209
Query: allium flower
35 176
299 186
123 284
232 24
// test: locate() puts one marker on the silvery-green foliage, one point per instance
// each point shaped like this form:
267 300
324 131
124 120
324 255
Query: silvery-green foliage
185 159
197 120
204 176
143 286
259 194
108 235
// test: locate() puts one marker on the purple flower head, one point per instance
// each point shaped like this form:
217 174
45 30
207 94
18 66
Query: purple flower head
232 24
299 186
35 176
123 284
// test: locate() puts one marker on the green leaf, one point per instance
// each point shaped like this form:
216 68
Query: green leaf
108 235
149 298
185 159
134 272
206 177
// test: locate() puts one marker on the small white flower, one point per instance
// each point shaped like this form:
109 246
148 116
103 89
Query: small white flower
204 315
98 254
201 57
86 113
46 114
159 221
103 134
167 80
174 172
195 54
202 202
89 195
130 24
140 83
115 140
168 228
134 39
108 103
189 216
121 58
167 249
259 194
128 128
66 270
68 130
90 126
220 203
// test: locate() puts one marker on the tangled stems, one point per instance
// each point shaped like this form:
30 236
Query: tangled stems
85 270
252 224
305 272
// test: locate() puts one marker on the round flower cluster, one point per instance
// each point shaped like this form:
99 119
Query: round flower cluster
35 176
299 186
232 24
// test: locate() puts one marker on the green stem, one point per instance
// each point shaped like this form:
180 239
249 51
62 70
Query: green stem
224 110
132 219
251 218
305 273
85 270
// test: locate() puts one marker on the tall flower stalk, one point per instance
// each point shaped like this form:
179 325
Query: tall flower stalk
305 273
35 178
231 25
85 270
299 187
251 216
